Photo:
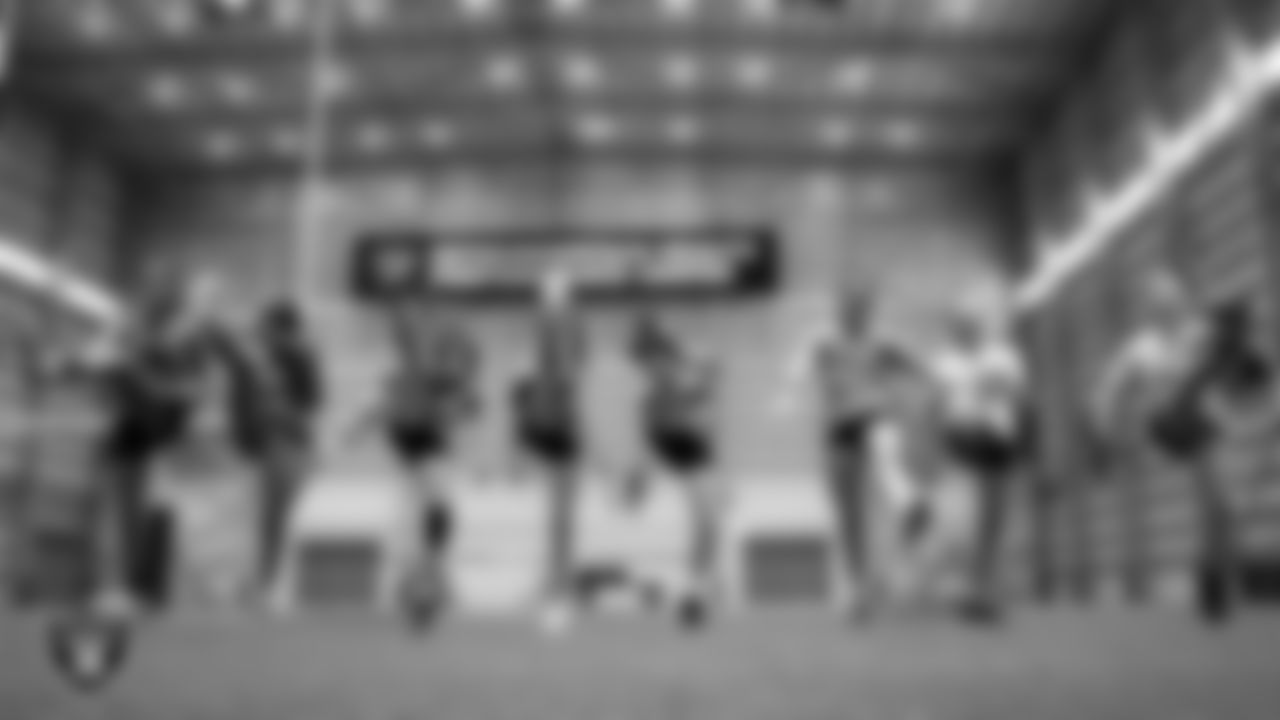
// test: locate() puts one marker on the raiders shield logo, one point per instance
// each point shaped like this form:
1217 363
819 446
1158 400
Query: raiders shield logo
88 651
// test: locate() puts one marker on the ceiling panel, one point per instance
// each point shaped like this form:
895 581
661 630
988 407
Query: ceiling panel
161 77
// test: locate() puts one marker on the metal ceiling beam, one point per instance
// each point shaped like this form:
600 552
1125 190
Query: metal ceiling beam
267 46
549 158
522 110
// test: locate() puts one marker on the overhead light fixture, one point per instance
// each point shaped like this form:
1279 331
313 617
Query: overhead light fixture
760 10
374 137
958 11
683 130
597 129
853 76
682 72
336 81
96 22
903 134
371 13
836 132
505 72
754 71
480 9
237 88
223 146
167 91
582 72
679 9
566 8
286 141
176 18
437 134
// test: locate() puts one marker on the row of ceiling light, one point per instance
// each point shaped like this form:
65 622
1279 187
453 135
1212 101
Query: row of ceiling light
597 130
96 21
579 72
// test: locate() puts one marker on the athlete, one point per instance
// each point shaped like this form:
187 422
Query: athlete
679 421
548 428
1182 378
277 392
848 365
425 400
982 383
162 377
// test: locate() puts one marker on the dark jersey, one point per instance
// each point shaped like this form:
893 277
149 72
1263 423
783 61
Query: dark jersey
155 388
681 397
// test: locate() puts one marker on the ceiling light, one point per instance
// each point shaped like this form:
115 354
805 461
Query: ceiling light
853 76
597 129
504 72
836 132
286 140
166 90
237 88
683 130
479 9
754 71
437 133
96 22
566 8
679 9
958 11
374 137
176 18
223 146
371 12
760 10
904 134
682 72
581 72
336 80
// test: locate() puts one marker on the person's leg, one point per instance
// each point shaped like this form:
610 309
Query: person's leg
281 471
848 477
1218 575
990 497
119 514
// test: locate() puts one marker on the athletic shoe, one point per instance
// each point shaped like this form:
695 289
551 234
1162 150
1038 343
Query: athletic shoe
556 619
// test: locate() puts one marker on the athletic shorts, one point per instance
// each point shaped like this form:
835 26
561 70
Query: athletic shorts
850 432
682 450
438 521
982 450
555 444
417 442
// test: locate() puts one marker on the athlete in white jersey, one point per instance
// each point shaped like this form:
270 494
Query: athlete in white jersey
982 383
1171 389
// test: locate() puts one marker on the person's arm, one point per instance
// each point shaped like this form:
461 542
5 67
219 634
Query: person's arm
1112 385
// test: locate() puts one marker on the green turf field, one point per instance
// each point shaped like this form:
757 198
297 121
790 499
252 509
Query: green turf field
1054 666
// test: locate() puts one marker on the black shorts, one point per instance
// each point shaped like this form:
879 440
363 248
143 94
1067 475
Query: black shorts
438 523
557 444
683 450
850 432
139 433
983 450
417 442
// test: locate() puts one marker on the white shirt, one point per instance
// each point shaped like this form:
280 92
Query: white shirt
983 386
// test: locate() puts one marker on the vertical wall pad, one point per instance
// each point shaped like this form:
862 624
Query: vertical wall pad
783 546
500 549
347 543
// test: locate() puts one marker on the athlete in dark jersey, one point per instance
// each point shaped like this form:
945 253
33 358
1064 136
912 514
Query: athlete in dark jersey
548 428
166 379
679 423
425 401
277 392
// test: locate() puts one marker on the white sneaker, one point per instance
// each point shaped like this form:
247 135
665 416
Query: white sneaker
556 619
117 604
